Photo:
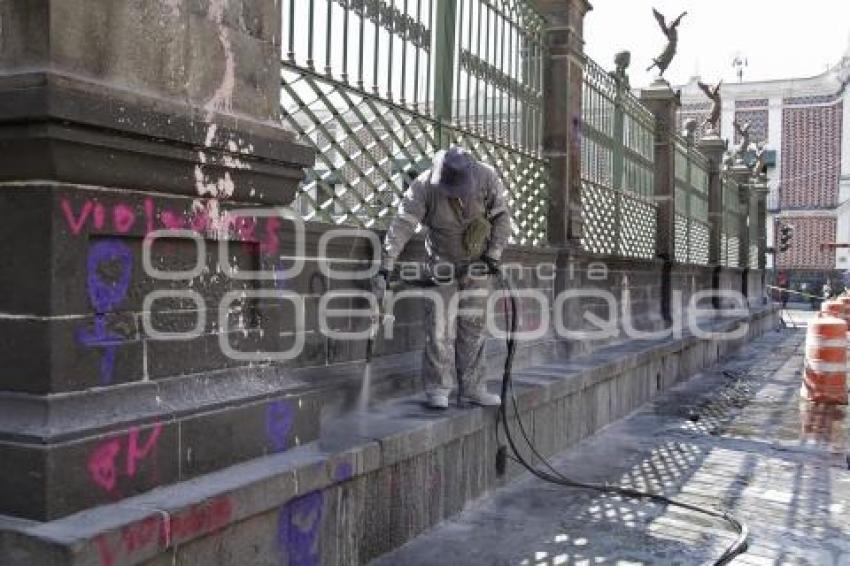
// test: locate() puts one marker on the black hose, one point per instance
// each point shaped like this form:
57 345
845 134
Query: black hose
556 477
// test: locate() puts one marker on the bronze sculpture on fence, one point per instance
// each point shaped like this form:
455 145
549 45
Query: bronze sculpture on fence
712 121
672 33
622 60
760 165
743 130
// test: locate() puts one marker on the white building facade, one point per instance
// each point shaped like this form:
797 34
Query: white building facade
806 122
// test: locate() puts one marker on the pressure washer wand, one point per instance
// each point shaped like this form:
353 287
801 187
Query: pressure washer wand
375 334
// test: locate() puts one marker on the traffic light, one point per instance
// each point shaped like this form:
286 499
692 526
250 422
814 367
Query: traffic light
786 234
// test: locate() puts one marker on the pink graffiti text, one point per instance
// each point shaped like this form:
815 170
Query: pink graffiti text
103 462
161 531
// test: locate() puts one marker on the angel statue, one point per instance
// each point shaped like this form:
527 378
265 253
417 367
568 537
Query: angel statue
743 131
672 32
712 121
760 165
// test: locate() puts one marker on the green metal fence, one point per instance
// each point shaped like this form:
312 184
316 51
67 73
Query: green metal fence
691 203
617 169
377 86
730 237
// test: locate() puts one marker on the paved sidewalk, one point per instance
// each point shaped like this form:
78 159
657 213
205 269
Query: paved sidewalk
737 436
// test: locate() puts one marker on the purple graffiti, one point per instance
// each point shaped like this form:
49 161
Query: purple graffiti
114 260
279 418
109 268
299 530
343 471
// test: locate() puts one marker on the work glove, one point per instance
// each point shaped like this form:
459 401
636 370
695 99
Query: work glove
494 266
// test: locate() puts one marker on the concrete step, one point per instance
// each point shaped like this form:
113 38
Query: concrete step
369 482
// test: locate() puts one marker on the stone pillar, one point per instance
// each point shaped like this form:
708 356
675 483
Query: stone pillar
118 118
562 106
759 209
758 219
741 176
714 148
663 103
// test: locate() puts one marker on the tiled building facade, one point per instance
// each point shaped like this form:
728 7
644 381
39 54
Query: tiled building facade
811 148
807 122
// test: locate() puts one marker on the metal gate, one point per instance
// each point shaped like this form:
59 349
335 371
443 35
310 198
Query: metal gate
377 86
692 231
617 169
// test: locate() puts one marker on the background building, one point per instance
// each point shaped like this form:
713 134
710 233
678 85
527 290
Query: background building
806 122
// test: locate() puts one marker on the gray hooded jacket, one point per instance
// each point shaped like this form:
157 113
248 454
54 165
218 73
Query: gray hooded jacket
425 203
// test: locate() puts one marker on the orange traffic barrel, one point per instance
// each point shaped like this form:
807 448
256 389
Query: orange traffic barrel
834 308
846 302
825 372
823 423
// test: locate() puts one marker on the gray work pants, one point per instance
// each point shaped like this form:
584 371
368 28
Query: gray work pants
455 335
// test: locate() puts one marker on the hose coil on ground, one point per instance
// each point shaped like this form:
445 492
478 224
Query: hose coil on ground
738 547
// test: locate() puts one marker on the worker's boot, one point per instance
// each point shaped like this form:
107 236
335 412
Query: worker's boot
480 396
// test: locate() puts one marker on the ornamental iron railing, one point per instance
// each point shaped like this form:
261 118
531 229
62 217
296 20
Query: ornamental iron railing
730 234
617 169
691 203
376 87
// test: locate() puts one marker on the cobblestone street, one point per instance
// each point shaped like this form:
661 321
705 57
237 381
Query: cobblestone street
736 436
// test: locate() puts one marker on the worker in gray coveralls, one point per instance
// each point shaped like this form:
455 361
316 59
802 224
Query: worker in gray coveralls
463 207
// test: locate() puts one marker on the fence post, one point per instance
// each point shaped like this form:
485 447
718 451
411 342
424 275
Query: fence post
444 67
563 83
663 102
741 175
618 163
713 148
761 191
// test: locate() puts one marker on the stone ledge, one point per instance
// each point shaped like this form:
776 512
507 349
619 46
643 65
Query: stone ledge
396 434
62 128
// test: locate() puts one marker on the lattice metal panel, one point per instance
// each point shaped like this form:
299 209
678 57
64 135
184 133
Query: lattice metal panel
733 253
698 238
360 84
637 228
367 150
681 239
691 204
599 210
724 249
754 256
618 153
732 213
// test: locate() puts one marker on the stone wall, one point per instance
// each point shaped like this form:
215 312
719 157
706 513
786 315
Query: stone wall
171 409
368 485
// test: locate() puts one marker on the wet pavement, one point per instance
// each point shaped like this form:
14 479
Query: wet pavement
737 437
